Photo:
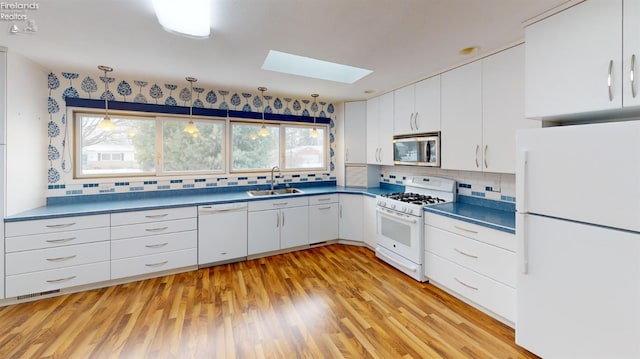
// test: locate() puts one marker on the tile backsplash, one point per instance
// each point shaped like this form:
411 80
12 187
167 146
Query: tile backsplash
492 186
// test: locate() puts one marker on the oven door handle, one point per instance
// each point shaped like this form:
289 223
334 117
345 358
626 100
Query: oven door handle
400 217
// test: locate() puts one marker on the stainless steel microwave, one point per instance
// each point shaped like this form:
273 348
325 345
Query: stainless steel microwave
420 149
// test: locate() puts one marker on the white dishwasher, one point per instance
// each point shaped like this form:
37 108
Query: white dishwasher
222 233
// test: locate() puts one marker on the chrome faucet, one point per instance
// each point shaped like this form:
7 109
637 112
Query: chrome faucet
272 170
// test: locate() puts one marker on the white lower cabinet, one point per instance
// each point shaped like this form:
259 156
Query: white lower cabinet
144 242
472 262
323 218
369 221
52 254
350 217
277 224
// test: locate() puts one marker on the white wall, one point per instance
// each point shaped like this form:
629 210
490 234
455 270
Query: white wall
26 134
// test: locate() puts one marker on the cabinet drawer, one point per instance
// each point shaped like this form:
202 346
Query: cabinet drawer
480 233
151 229
155 215
52 258
494 262
41 226
57 239
284 202
161 243
487 293
43 281
329 198
128 267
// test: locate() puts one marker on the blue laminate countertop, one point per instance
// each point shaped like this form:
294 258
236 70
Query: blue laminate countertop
98 206
502 218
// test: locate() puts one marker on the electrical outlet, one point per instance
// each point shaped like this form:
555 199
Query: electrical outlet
222 182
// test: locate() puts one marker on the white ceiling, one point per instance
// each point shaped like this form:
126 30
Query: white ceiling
401 40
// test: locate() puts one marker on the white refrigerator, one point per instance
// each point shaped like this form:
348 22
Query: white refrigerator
578 233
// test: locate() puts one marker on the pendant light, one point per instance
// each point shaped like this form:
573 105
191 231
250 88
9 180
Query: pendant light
314 132
106 124
191 127
263 130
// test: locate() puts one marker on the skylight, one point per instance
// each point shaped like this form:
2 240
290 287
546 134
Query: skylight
309 67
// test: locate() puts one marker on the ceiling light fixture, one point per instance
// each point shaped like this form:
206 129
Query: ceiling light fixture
191 127
263 130
106 124
187 18
314 107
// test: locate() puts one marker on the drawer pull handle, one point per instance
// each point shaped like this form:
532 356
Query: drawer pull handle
324 199
465 284
466 230
465 253
157 264
61 279
61 259
322 208
61 240
157 215
281 204
157 245
156 229
63 225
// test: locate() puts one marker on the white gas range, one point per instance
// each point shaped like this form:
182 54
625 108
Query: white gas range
400 224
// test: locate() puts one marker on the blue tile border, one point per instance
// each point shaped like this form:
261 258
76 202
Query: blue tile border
503 206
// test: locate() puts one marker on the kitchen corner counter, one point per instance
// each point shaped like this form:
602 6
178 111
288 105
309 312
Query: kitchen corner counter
500 216
96 205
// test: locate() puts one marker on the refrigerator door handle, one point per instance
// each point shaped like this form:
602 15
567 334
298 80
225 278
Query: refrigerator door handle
521 239
521 180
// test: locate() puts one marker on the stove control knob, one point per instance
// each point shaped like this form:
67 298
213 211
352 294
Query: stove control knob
410 210
382 204
404 209
393 206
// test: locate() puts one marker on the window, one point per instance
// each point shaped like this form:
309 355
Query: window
147 146
288 146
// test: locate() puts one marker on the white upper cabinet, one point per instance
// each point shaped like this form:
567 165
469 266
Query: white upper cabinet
631 55
380 130
461 141
417 107
482 107
574 59
355 130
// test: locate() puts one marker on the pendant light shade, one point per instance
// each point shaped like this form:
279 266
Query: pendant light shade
106 124
264 132
191 127
314 131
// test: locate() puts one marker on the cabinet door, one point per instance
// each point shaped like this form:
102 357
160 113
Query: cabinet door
462 118
404 110
385 129
351 217
427 107
373 115
323 222
369 221
631 56
503 109
263 231
294 229
569 57
355 129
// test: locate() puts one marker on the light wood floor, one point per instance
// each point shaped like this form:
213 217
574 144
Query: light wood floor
334 301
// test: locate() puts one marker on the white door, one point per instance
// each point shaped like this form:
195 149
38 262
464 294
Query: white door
323 222
587 173
403 110
568 57
631 55
351 216
427 117
373 116
369 221
461 140
264 231
294 229
503 109
580 295
355 130
385 129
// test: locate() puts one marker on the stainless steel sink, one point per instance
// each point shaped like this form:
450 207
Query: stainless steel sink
275 192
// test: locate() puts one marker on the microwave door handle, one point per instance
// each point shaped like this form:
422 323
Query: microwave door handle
428 152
